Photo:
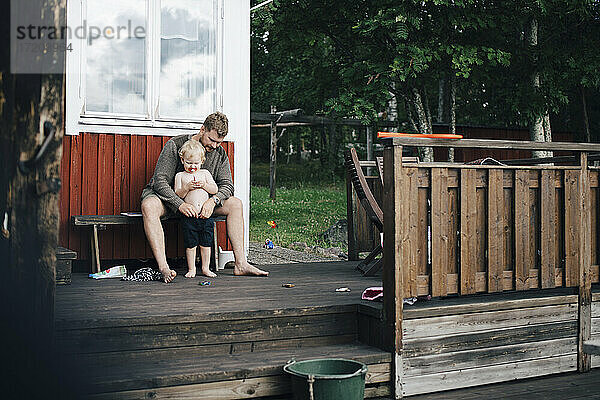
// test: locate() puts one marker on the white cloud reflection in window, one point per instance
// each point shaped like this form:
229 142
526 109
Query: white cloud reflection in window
115 73
188 63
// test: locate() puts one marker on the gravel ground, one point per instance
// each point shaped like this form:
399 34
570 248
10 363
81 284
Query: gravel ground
258 255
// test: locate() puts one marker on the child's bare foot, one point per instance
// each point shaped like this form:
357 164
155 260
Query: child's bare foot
247 269
191 273
209 273
168 274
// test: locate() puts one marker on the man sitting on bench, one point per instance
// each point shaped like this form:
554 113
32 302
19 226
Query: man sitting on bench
159 199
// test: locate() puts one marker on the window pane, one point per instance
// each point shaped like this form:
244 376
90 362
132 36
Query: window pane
188 62
116 56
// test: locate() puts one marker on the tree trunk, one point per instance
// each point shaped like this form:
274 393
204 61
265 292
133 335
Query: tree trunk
29 215
423 123
332 159
441 96
536 129
392 111
586 121
324 153
273 157
452 112
313 144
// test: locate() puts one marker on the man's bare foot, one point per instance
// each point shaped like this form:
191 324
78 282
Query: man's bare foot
209 273
191 273
247 269
168 274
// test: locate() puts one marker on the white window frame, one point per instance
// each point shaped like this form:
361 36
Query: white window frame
78 120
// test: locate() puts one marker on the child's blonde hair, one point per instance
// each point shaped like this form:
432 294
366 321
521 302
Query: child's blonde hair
192 148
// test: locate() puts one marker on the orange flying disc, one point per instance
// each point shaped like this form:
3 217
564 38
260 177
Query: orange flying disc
419 135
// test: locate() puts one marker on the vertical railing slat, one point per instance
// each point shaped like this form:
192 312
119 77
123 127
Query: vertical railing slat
571 213
468 226
410 198
548 197
522 222
439 231
495 230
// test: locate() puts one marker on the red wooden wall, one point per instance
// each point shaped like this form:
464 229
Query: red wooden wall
105 174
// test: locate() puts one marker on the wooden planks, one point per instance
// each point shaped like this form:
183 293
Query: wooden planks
468 231
486 356
466 345
489 374
547 219
105 178
452 324
572 226
393 285
492 144
410 230
439 231
200 376
121 194
522 221
495 243
105 174
585 279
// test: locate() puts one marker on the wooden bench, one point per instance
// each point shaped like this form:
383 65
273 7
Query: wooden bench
101 222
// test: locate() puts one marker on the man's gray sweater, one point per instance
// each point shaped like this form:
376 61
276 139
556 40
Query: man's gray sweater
169 164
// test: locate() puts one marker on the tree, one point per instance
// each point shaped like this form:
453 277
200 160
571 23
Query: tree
29 211
357 57
402 48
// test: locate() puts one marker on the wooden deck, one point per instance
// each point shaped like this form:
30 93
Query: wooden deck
88 301
229 340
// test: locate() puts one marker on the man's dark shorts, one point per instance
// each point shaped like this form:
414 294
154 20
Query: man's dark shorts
197 231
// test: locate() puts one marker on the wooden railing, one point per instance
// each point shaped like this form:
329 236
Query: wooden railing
466 229
491 229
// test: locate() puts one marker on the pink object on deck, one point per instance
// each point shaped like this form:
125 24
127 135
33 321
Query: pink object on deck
372 293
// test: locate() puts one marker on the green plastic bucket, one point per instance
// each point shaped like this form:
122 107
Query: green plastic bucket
327 379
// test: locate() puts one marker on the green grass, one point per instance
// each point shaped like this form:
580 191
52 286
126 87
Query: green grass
301 213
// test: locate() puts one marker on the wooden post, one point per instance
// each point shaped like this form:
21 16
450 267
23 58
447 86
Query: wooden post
392 257
585 256
273 158
351 209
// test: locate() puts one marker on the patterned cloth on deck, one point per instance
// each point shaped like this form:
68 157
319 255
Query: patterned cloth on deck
144 275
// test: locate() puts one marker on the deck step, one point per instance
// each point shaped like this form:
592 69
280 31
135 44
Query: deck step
218 333
255 374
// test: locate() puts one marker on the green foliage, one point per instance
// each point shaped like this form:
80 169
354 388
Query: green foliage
345 58
301 214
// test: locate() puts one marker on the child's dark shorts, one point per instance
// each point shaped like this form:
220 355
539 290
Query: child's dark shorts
197 231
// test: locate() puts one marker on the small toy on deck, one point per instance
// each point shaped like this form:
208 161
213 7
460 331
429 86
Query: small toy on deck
342 289
268 244
204 283
288 285
115 272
